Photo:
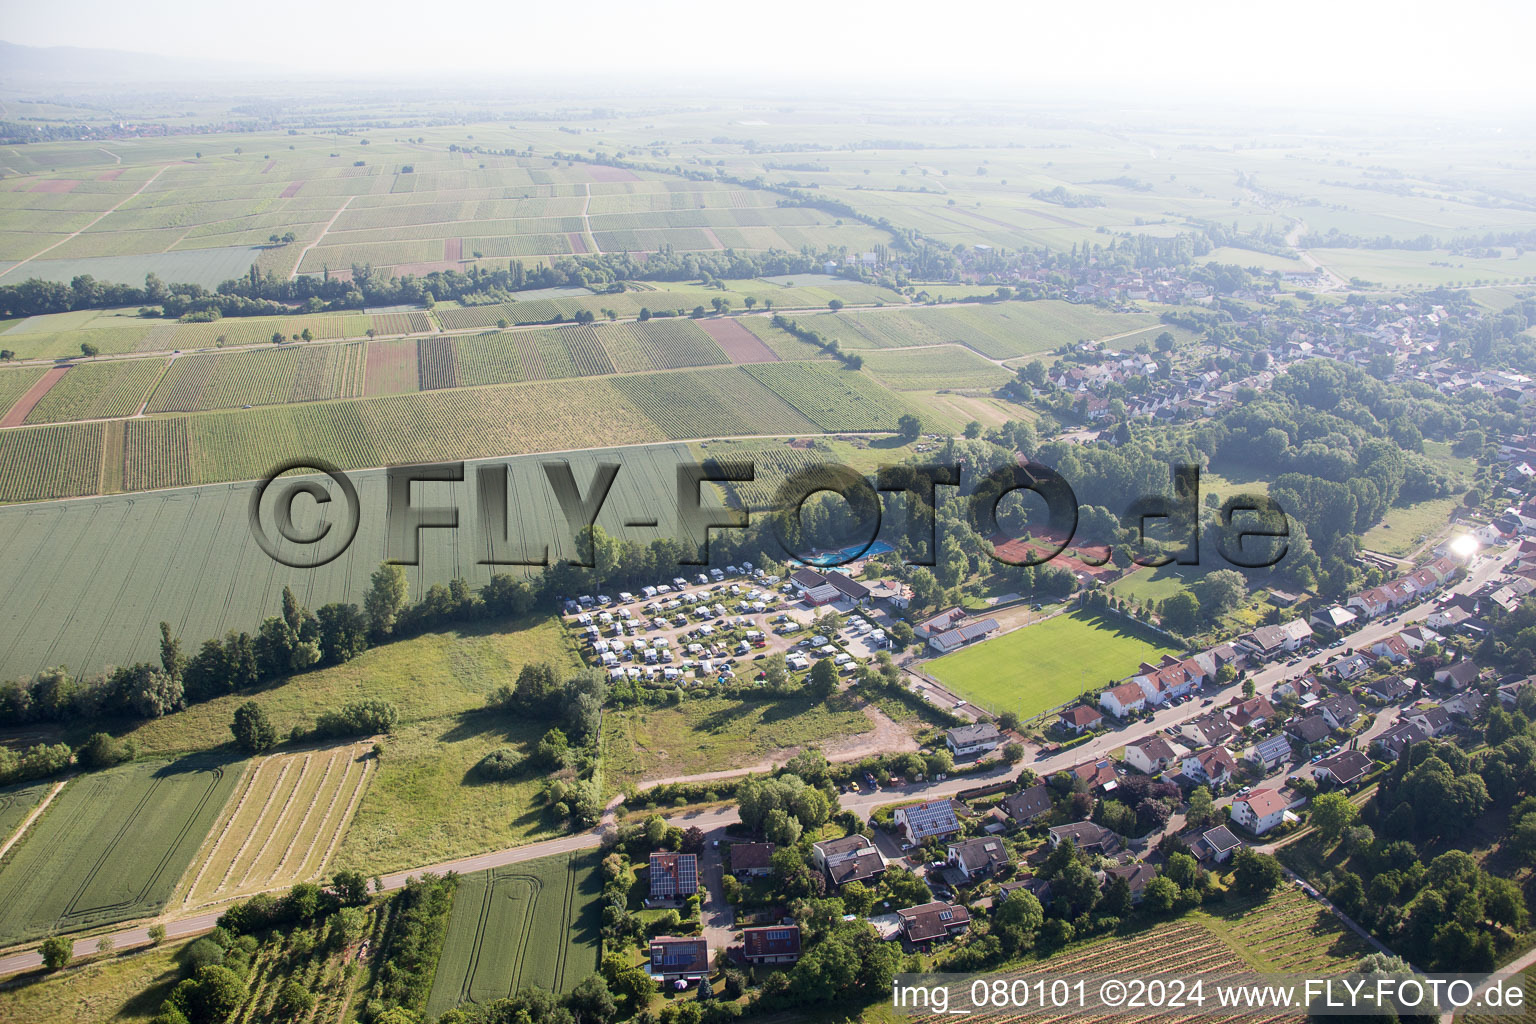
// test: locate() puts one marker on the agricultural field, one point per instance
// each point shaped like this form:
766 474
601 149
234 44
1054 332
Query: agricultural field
111 846
271 376
739 344
1286 933
38 463
535 923
283 825
1004 330
91 391
946 366
393 368
833 399
711 403
1033 669
189 557
15 382
668 344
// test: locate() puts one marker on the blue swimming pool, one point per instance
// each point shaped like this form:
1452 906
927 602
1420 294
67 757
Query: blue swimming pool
842 555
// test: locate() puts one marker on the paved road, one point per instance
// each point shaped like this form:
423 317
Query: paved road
863 803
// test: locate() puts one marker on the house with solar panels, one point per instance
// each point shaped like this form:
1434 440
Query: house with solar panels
934 819
674 876
776 944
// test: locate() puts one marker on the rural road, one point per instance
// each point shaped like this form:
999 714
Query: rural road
863 803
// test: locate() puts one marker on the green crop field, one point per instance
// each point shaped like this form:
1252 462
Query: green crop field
17 381
228 380
711 403
946 366
189 558
535 923
38 463
1033 669
91 391
834 399
112 846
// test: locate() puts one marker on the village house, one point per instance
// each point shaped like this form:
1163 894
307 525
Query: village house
1136 876
1267 643
1399 736
934 819
1459 676
1080 718
751 860
1123 699
977 857
1208 730
1088 836
933 922
1435 721
1151 754
1270 751
674 876
1389 689
1097 775
1260 810
852 858
1027 805
1255 711
968 740
1215 765
775 944
1308 729
1339 711
1345 768
1215 845
679 959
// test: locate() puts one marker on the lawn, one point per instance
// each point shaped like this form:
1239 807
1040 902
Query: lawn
535 923
1033 669
1150 585
718 733
112 846
126 987
1405 527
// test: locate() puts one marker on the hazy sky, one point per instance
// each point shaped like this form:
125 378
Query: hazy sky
1468 53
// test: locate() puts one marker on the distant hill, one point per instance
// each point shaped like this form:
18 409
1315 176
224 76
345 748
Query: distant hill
81 64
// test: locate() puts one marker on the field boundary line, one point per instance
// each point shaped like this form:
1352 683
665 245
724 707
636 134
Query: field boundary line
305 251
586 221
37 812
98 220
